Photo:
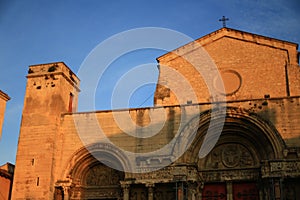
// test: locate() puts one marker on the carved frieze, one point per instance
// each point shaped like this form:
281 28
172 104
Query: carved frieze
81 192
224 175
168 174
289 168
153 162
164 173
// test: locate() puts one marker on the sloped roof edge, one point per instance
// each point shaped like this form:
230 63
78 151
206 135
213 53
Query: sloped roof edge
234 33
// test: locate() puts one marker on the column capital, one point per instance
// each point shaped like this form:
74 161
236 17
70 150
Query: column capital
125 184
64 183
150 185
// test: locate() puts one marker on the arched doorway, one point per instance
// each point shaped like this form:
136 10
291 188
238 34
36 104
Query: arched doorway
93 172
98 181
232 169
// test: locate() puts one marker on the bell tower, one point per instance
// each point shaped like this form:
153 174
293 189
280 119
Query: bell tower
51 89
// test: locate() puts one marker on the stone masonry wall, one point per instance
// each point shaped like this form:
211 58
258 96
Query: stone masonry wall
251 67
280 113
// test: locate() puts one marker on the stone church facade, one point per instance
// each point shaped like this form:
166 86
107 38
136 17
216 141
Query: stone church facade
256 156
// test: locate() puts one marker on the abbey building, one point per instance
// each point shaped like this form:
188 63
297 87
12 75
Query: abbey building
236 140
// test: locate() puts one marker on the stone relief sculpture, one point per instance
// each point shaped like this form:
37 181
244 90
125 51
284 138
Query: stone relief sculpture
231 155
101 175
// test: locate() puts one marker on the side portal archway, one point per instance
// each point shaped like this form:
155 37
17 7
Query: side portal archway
94 172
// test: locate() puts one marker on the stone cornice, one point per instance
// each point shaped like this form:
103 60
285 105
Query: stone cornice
4 96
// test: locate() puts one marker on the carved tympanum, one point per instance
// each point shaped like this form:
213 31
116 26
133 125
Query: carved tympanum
101 175
230 156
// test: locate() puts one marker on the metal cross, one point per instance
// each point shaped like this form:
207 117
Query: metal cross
224 19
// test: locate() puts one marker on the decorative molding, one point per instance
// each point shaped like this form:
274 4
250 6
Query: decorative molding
286 168
4 96
229 175
167 174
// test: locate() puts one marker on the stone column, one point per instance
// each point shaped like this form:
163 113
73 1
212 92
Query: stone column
126 188
229 190
150 187
64 187
192 190
66 190
277 189
199 190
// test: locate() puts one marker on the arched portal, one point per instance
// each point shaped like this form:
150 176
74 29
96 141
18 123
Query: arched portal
232 169
246 126
94 172
97 181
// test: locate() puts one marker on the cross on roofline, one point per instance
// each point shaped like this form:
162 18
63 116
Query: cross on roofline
224 19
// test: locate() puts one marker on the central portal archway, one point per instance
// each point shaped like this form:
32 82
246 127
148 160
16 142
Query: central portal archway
232 169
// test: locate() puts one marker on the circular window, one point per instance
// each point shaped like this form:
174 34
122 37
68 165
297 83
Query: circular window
232 81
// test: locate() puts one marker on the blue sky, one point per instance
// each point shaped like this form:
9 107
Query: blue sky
34 32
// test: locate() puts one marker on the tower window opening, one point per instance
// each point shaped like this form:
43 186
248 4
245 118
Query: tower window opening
71 102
